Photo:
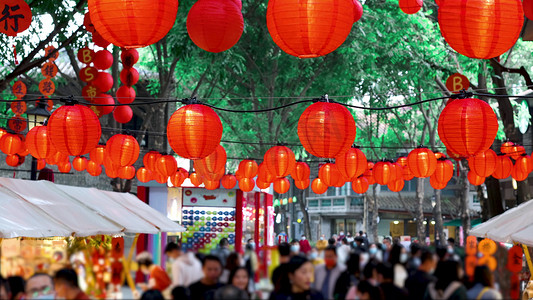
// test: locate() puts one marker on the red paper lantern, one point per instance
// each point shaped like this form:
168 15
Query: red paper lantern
503 169
214 162
111 172
79 163
98 40
280 161
518 174
282 185
133 23
126 172
89 75
123 114
125 94
318 186
129 76
262 174
302 184
352 163
326 129
301 172
150 160
246 184
522 164
438 185
211 185
129 57
479 28
85 55
103 81
10 143
57 158
396 172
506 147
516 152
410 6
402 161
475 179
14 160
16 17
167 165
94 169
38 142
97 154
422 162
177 179
103 60
383 172
396 185
229 181
64 167
262 185
123 150
249 168
443 171
329 174
484 163
307 29
106 104
360 185
215 25
194 131
467 126
74 129
41 163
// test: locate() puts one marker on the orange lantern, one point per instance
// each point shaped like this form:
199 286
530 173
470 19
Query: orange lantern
470 265
402 161
211 185
123 149
74 129
194 131
282 185
407 174
195 179
64 167
326 129
318 186
41 163
474 179
504 167
506 147
246 184
97 154
488 261
396 172
330 175
479 28
262 185
410 6
301 172
307 29
10 143
382 172
438 185
184 173
150 160
56 158
352 163
516 152
160 178
178 178
126 172
280 161
249 168
94 168
133 23
471 245
439 155
484 163
262 174
38 143
443 171
229 181
166 165
79 163
422 162
14 160
214 162
487 247
517 173
522 164
302 184
360 185
396 185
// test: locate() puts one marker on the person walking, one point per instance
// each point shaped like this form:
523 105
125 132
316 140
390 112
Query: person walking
483 285
418 281
158 278
296 282
66 285
448 285
326 275
185 267
212 269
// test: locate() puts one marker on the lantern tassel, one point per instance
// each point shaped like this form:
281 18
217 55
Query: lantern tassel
15 54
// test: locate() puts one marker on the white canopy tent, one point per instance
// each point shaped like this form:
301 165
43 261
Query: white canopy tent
44 209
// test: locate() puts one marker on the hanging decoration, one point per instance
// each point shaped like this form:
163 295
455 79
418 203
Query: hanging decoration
16 17
484 163
301 171
488 247
504 167
302 184
330 175
18 107
471 255
282 185
422 162
410 6
360 185
480 28
126 93
382 172
49 71
352 163
229 181
475 179
122 149
280 161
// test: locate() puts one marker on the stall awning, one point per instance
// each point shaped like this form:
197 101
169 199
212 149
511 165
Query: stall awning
459 222
57 210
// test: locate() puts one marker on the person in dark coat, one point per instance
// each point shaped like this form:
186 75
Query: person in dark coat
418 281
296 281
386 283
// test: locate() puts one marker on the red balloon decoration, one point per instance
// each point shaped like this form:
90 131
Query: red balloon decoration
194 131
475 179
301 172
326 129
125 94
74 129
10 143
38 142
307 29
79 163
479 28
360 185
410 6
103 60
123 114
282 185
422 162
318 186
249 168
352 163
215 25
123 149
166 165
484 163
280 161
382 172
503 169
329 174
229 181
133 23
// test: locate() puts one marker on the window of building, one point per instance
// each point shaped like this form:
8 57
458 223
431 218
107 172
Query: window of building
338 202
325 202
312 203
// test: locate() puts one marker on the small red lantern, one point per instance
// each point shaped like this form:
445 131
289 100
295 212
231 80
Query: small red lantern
506 147
504 167
280 161
10 143
516 152
133 23
111 172
97 154
352 163
123 114
126 172
103 81
396 185
249 168
282 185
318 186
94 169
475 179
196 179
126 94
360 185
14 160
262 174
402 161
479 28
410 6
79 163
422 162
103 60
383 172
85 55
41 163
38 143
522 164
123 149
159 178
307 29
129 57
106 104
329 174
484 163
211 185
214 162
262 185
215 25
326 129
150 160
129 76
16 17
467 126
518 174
301 172
194 131
246 184
229 181
178 178
438 185
74 129
64 167
443 171
302 184
167 165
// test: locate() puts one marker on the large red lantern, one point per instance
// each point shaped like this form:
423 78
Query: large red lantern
74 129
215 25
329 174
475 179
229 181
410 6
10 143
133 23
123 149
467 126
194 131
422 162
503 169
246 184
302 184
79 163
38 143
443 171
326 129
318 186
150 159
249 168
282 185
167 165
280 161
360 185
308 28
481 28
383 172
98 154
484 163
352 163
301 171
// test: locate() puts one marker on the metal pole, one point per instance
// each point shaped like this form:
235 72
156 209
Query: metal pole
33 175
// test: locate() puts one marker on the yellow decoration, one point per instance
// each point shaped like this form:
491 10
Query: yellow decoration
487 247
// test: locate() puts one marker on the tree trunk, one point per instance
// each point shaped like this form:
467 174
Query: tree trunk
303 207
437 212
465 211
420 227
370 213
375 217
365 213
